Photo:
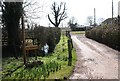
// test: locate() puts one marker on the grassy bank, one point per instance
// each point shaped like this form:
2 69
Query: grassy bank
65 69
55 65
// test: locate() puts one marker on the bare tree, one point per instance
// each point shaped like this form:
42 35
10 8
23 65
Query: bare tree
90 20
32 11
59 13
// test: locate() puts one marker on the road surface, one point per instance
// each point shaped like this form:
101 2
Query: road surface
94 60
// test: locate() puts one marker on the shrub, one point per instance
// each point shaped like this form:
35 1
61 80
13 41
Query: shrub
50 35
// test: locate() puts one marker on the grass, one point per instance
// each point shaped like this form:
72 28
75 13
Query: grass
55 65
62 55
78 32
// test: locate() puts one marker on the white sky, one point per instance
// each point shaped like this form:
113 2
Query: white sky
80 9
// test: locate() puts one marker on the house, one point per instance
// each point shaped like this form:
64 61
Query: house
109 21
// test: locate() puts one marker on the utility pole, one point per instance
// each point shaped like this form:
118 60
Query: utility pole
119 13
94 17
112 10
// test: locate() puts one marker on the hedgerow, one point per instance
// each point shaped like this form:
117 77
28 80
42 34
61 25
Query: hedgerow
49 35
42 35
106 34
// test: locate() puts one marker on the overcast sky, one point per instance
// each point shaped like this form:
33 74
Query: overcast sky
80 9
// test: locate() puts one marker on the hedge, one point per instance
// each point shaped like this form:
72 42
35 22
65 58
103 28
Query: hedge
107 34
43 35
49 35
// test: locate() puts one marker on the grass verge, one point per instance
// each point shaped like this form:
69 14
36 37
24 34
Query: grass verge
61 57
55 65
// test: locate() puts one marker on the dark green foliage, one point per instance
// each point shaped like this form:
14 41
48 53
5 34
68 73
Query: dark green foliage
54 37
37 72
108 34
33 64
50 35
11 13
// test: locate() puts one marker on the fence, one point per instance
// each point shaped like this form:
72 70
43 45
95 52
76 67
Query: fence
70 47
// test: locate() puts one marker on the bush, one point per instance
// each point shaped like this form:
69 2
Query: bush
107 34
50 35
43 35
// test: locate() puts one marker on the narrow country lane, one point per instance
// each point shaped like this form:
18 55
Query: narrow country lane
94 60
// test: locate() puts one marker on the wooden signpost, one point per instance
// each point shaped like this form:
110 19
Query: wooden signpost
28 48
23 39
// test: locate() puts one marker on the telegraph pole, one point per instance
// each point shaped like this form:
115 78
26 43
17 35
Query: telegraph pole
119 13
94 17
112 10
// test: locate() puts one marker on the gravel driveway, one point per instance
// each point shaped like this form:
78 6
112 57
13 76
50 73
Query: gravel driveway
94 60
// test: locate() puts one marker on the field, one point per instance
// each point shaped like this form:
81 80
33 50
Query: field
53 66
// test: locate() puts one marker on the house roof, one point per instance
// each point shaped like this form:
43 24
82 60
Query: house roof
109 20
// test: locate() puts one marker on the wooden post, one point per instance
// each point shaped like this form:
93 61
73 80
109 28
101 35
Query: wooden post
26 53
23 39
118 20
71 42
63 35
69 54
69 49
63 41
36 54
66 32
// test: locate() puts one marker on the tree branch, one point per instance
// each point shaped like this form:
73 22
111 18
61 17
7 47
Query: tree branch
51 20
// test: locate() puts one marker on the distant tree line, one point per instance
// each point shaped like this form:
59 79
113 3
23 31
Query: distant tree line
72 24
